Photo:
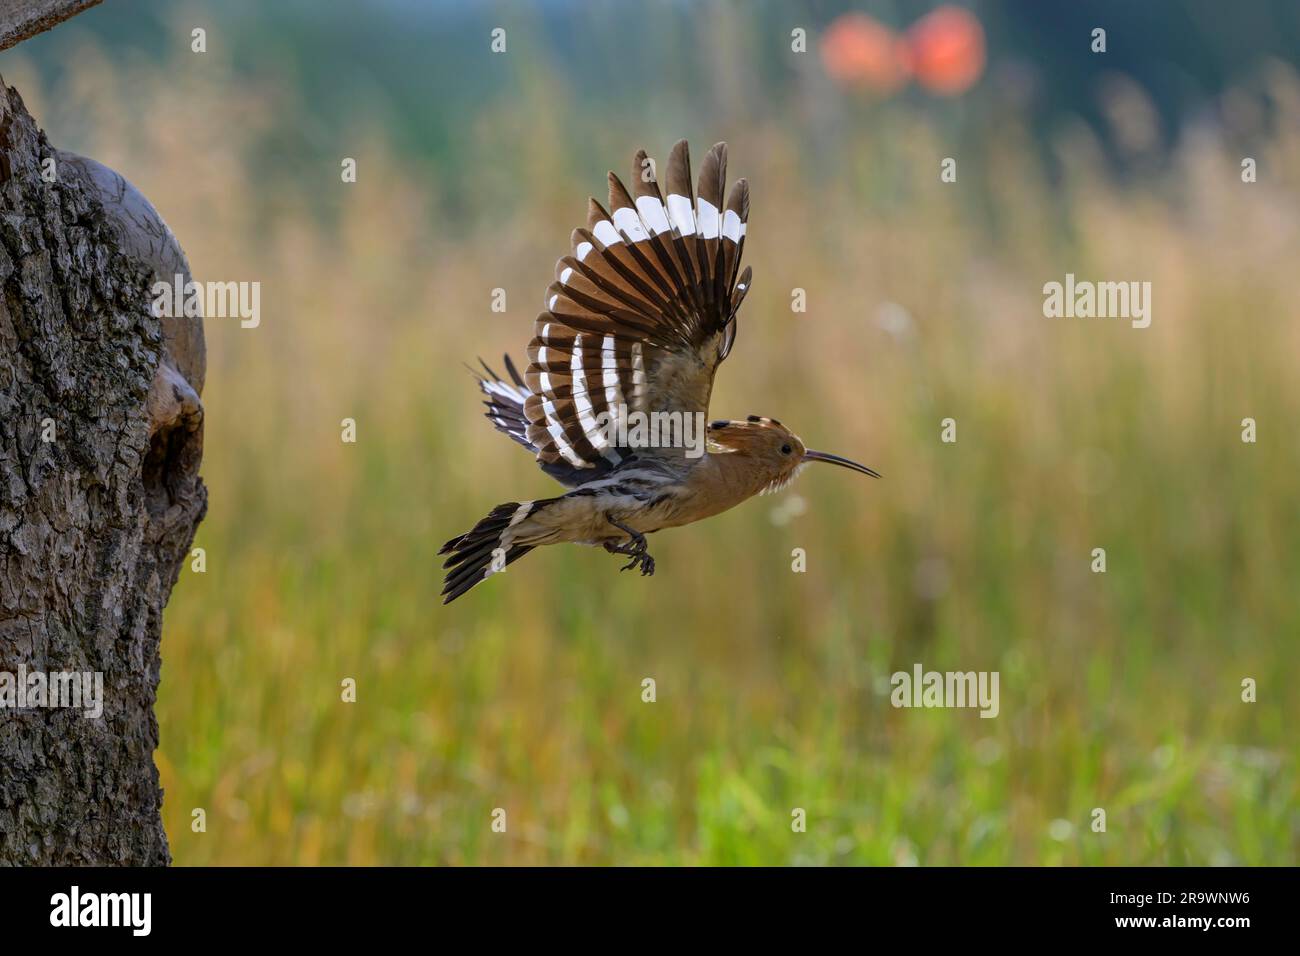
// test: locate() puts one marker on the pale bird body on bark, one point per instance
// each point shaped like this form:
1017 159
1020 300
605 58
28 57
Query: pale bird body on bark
641 314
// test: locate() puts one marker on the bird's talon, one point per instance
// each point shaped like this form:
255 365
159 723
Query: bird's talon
642 560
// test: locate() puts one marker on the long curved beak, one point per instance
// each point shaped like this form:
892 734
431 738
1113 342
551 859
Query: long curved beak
811 455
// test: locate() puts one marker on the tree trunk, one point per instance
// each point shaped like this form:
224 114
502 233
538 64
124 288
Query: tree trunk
100 442
20 19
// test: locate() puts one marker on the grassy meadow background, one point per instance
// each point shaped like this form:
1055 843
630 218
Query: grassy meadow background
1118 690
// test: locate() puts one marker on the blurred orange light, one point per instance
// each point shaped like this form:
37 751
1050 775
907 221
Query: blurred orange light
946 50
860 53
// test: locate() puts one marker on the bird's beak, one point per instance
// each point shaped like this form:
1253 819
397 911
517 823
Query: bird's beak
811 455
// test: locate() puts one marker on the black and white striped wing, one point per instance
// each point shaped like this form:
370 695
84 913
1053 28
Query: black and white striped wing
642 311
505 400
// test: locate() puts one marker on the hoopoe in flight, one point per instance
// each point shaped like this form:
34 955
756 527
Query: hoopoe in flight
641 314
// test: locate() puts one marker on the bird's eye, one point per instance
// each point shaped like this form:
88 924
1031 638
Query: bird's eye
786 449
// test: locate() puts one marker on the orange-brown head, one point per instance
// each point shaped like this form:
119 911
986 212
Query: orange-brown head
768 454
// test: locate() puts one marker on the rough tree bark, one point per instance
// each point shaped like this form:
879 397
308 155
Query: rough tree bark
20 19
101 435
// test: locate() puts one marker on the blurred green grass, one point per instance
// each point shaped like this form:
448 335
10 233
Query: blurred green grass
1119 691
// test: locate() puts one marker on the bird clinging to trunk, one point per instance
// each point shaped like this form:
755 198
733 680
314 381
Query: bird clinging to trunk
621 365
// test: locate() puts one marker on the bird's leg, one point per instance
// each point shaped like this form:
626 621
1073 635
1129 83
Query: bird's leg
636 550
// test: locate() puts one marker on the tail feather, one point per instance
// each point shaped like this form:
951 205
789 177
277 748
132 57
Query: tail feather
475 555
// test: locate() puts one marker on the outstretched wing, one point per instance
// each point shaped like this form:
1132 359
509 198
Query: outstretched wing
641 313
505 402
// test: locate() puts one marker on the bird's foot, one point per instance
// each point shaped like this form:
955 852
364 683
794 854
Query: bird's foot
637 550
642 558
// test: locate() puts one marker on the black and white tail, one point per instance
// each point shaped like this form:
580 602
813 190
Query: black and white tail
486 548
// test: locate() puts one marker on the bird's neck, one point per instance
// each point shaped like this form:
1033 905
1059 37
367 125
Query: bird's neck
734 475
